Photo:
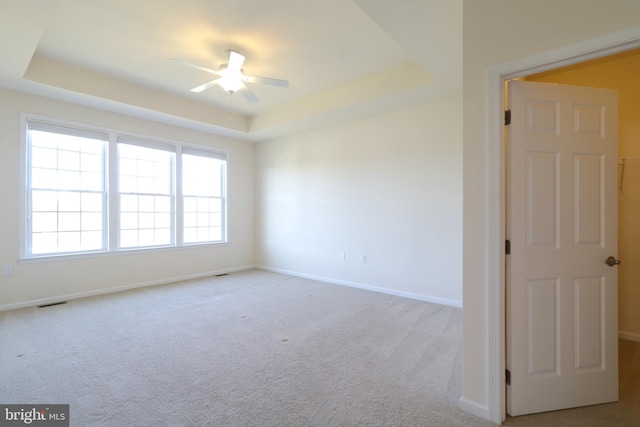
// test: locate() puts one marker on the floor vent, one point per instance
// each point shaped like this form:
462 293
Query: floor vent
52 304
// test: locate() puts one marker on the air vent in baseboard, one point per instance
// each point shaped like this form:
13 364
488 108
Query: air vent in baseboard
52 304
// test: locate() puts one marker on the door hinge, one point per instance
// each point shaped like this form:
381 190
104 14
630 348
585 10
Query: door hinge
508 376
507 247
507 117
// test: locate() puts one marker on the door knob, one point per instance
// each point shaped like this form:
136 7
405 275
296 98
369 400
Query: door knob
611 261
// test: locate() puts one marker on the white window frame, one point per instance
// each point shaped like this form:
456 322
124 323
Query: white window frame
29 189
111 221
127 140
223 191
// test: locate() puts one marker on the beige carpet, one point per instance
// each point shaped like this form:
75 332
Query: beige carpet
248 349
257 349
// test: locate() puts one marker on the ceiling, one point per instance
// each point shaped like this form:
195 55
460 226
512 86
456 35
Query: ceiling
344 59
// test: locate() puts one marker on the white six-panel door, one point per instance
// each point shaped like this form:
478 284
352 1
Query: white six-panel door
562 225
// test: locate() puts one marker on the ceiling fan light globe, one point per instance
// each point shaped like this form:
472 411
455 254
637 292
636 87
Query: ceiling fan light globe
231 84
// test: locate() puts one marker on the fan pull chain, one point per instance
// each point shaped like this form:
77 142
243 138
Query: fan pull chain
233 110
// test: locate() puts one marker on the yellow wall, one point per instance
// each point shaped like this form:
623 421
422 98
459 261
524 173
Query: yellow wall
619 72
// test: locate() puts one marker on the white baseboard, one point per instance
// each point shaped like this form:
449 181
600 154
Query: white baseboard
411 295
51 300
474 408
629 336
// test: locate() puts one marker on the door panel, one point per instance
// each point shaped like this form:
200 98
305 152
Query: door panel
589 345
542 199
561 297
589 179
542 328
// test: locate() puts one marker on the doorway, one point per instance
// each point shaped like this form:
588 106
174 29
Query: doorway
576 53
617 72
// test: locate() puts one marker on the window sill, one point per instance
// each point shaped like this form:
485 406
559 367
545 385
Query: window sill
133 251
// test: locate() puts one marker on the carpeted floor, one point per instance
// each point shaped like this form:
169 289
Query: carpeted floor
249 349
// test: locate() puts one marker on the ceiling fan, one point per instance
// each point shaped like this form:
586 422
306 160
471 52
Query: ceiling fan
231 77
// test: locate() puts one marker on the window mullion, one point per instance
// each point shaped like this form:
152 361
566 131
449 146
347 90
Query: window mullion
28 199
223 197
178 206
113 216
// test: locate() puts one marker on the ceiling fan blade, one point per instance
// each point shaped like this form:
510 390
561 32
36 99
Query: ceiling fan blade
205 86
266 81
235 61
250 96
197 67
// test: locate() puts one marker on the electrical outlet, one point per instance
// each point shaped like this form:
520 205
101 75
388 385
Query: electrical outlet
7 271
363 258
343 256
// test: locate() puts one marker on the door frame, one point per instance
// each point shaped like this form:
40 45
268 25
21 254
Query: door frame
574 53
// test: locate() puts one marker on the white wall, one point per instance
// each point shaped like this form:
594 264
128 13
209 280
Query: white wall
35 281
387 186
495 32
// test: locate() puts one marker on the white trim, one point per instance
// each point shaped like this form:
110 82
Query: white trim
496 402
574 53
126 251
410 295
22 191
111 184
473 408
629 336
55 121
204 153
145 143
45 126
51 300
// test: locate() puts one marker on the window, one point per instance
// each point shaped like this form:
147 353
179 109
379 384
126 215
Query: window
155 186
66 190
146 196
202 196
